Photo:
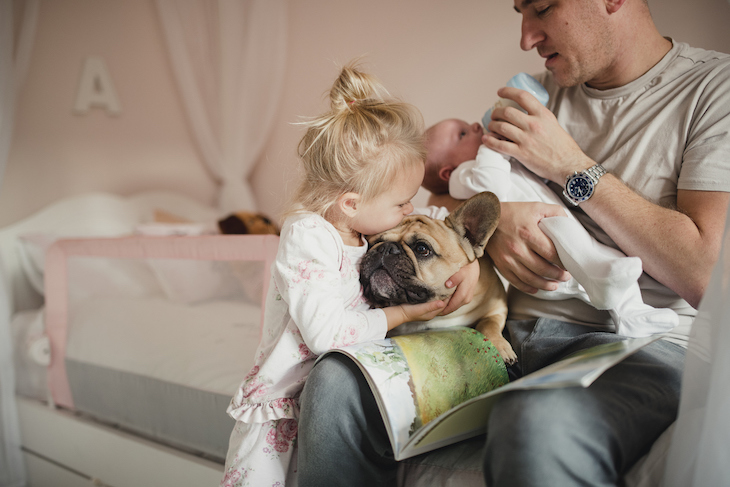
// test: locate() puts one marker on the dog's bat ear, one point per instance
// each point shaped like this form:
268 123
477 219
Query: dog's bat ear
475 220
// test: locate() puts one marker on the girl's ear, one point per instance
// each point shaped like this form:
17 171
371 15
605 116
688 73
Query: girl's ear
347 203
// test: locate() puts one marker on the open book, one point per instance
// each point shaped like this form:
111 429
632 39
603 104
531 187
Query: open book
437 387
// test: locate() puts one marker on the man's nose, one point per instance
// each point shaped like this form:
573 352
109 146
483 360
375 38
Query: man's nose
531 34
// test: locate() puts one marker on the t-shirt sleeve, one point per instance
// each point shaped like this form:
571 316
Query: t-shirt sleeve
706 158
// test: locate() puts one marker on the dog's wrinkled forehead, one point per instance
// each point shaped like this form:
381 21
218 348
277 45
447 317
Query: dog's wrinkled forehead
412 224
418 228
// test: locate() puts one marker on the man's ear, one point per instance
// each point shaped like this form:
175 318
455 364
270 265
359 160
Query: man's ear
445 173
612 6
347 203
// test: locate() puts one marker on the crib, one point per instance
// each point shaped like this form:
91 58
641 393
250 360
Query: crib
127 359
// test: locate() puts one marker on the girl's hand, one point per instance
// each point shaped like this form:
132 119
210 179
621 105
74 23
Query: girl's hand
403 313
466 282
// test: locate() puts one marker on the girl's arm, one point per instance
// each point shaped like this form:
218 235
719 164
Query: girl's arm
322 293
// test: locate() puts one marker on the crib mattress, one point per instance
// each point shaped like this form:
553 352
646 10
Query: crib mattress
162 369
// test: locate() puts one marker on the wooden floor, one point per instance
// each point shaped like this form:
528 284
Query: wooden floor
64 450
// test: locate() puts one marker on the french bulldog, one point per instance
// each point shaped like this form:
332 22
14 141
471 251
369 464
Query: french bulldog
411 262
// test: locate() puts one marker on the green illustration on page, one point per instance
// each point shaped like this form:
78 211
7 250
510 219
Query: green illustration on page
420 376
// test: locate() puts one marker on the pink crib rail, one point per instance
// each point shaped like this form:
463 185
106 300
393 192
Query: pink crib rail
208 247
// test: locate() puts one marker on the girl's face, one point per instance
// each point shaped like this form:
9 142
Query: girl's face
387 210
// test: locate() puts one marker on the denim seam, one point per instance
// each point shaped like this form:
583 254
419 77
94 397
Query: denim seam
526 369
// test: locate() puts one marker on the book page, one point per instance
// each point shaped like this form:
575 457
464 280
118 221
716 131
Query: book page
386 371
470 418
418 377
583 367
437 387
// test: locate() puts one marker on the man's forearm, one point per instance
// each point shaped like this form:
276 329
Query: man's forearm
678 247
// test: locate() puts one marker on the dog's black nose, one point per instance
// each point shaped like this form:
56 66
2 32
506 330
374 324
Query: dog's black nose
389 248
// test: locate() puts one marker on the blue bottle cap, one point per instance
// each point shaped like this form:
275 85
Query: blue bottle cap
525 82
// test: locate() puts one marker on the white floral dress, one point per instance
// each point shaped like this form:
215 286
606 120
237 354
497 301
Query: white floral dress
314 303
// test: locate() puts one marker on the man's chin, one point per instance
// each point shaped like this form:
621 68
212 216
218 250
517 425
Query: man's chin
565 80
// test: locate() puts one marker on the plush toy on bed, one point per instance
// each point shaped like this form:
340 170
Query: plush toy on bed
236 223
246 222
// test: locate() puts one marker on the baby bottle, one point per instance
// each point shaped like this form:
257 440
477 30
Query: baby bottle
522 81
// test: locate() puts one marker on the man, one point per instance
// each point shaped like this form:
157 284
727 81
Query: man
656 115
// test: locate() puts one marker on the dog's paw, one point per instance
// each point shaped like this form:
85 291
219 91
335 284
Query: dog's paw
505 350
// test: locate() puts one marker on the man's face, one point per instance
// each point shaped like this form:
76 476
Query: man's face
573 36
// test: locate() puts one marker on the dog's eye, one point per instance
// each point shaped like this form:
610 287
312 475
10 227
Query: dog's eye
422 249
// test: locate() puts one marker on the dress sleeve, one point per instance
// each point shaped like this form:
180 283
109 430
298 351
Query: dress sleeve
317 286
488 172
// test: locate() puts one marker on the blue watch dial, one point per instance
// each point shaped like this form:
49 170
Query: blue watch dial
579 187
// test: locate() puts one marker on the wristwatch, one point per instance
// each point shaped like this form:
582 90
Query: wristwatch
580 186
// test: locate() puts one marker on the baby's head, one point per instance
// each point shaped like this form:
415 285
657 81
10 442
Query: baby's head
364 144
448 144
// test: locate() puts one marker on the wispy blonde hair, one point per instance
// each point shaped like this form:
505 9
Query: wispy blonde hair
359 145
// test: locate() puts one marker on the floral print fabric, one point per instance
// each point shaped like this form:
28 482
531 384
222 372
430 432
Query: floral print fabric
314 303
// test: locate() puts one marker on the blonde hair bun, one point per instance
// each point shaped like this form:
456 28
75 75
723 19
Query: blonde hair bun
353 88
359 145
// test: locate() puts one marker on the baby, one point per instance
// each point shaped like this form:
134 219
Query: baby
457 163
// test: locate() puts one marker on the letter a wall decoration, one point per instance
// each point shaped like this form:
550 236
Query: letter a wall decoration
96 89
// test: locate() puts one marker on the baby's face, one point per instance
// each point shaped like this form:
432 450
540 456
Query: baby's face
454 141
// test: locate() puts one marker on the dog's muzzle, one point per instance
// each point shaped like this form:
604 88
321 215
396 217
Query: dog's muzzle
388 277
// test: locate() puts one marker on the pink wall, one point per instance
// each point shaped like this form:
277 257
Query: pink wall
448 58
56 153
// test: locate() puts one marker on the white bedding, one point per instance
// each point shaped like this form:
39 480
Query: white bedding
208 346
31 354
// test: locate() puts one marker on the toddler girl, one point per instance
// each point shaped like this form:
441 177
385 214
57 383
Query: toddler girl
363 162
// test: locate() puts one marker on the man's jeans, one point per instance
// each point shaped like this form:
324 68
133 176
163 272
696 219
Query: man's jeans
567 436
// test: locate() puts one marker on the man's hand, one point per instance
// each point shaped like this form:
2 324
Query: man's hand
535 138
522 253
466 282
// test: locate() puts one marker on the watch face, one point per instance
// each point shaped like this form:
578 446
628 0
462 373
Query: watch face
579 187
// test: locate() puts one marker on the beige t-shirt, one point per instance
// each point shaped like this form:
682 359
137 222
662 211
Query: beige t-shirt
667 130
